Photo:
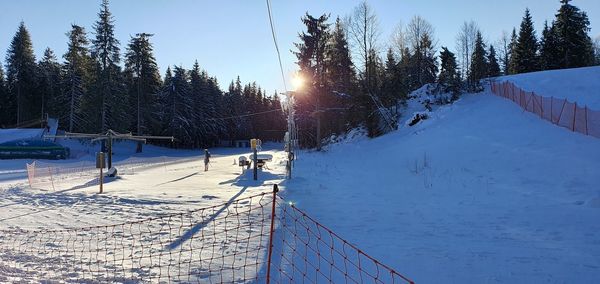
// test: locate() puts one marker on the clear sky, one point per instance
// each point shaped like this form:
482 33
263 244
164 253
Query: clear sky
230 38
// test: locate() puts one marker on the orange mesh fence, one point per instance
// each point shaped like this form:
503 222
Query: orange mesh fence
561 112
258 239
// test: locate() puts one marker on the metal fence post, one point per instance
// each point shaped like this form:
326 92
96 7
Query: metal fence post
275 190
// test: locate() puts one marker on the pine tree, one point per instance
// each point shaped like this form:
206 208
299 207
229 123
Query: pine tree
392 84
49 83
449 77
77 77
479 65
549 52
311 60
575 46
512 63
493 66
4 105
143 83
429 67
110 100
341 81
177 105
525 52
23 102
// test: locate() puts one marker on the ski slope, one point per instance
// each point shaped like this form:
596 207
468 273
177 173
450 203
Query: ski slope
481 192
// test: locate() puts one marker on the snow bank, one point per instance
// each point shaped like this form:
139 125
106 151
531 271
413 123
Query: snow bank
15 134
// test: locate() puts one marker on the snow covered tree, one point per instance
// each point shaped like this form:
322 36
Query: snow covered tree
49 83
525 52
449 77
143 80
479 65
77 76
109 100
549 52
493 66
23 103
575 46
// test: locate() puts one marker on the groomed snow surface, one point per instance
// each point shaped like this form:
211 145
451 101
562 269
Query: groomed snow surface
480 192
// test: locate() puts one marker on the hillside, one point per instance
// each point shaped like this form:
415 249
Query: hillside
581 85
481 192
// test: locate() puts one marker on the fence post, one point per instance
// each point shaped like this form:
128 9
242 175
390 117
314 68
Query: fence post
561 112
541 106
551 113
275 190
586 129
574 115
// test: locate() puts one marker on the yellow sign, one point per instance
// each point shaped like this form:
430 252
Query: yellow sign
253 143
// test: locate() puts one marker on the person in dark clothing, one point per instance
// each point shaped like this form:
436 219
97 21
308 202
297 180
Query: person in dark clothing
206 159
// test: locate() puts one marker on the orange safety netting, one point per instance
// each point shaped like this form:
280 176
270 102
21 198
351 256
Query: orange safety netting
259 239
558 111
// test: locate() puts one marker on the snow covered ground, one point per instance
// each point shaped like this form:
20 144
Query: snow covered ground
479 193
581 85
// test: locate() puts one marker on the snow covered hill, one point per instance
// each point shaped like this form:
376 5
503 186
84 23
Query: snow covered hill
481 192
581 85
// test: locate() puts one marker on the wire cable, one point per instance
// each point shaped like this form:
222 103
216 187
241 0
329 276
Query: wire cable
276 45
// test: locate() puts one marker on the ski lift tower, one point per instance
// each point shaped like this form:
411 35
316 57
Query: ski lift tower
109 136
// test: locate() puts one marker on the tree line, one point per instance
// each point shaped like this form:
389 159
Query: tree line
91 92
354 79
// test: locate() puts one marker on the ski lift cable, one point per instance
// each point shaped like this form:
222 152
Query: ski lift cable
276 45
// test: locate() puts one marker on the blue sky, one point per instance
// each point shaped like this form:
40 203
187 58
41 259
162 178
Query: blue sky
230 38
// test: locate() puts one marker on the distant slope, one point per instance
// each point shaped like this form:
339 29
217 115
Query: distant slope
581 85
481 192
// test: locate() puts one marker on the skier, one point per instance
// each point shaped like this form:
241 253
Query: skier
206 159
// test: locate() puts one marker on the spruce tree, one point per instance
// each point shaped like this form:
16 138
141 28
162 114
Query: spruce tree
493 66
311 61
341 80
429 67
77 77
525 52
49 83
109 104
575 46
549 52
449 77
479 65
144 84
391 86
4 105
177 107
512 63
23 103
